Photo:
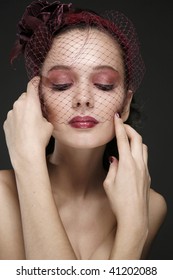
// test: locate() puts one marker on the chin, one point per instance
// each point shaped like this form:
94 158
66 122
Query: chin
84 139
84 142
85 146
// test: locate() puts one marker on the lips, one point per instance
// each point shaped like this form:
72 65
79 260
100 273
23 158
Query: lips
83 122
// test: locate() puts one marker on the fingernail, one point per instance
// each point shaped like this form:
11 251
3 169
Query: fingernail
117 115
111 159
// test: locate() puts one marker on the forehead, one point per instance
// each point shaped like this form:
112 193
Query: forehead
84 49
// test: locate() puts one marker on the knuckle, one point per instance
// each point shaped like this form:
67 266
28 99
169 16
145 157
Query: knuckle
15 104
145 173
145 147
139 137
106 183
128 126
7 119
142 166
136 135
9 114
50 126
5 124
149 179
23 95
19 100
29 85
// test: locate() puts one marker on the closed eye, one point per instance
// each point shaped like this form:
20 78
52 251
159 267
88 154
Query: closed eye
105 87
61 87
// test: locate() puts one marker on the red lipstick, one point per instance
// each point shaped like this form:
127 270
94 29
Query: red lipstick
83 122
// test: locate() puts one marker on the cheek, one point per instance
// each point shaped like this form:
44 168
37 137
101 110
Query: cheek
108 104
56 105
117 102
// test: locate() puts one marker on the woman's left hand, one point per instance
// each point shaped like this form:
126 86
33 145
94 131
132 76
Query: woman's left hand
128 181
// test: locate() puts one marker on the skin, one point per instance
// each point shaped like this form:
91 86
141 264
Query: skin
40 198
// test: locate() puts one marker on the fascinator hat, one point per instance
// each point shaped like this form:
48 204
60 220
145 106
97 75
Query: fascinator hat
42 21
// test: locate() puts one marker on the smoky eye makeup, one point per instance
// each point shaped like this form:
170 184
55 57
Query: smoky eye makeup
58 80
106 80
104 87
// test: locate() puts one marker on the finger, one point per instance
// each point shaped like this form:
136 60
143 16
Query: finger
45 82
33 92
122 138
33 87
110 178
145 154
136 144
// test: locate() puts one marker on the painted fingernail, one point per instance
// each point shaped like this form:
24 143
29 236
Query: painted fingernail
117 115
111 159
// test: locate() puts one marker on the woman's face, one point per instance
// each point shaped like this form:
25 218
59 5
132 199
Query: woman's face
83 87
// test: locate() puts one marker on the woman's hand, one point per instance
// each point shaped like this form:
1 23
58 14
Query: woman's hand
128 181
27 132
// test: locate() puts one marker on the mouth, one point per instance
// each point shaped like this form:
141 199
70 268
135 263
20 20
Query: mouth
83 122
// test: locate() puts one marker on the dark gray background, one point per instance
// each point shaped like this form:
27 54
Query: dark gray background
153 21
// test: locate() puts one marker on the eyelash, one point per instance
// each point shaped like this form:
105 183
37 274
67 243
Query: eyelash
104 87
63 87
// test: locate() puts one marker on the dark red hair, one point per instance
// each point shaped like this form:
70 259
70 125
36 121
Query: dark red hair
41 21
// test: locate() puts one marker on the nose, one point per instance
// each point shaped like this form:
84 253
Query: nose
83 98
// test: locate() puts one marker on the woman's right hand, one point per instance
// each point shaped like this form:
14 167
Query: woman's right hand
27 132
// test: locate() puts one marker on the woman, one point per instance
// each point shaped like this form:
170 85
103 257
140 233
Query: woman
90 198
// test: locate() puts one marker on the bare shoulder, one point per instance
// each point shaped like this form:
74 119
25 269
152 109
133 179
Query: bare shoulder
7 179
11 241
157 208
157 214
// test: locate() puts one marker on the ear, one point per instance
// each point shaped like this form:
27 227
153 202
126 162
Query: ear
126 106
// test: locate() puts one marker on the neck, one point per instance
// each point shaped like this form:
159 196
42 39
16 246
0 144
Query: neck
77 170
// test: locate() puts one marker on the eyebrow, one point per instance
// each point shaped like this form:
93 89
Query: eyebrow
61 67
102 67
65 67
